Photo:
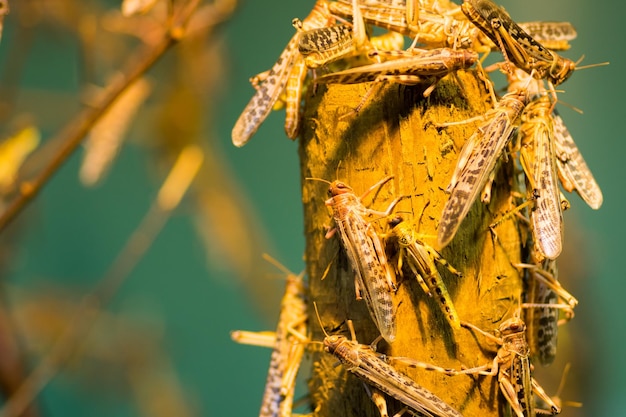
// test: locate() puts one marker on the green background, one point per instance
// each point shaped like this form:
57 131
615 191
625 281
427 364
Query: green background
72 234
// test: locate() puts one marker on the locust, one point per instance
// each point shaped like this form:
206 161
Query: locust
477 161
324 45
517 46
421 258
287 345
318 41
363 362
437 24
413 66
513 368
321 46
272 84
511 365
538 158
573 172
427 27
374 277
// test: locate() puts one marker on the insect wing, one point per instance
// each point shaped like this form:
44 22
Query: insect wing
547 218
465 155
366 255
492 138
540 317
550 31
274 82
572 168
322 46
268 92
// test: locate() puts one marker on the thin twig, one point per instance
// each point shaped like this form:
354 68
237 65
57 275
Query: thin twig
73 133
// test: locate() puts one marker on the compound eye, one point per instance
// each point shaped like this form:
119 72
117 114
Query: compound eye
395 221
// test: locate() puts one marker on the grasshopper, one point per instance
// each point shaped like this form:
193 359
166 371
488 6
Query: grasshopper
574 174
412 67
324 45
477 161
511 365
363 362
318 41
287 350
436 24
538 159
516 45
374 277
421 260
273 82
321 46
428 27
513 368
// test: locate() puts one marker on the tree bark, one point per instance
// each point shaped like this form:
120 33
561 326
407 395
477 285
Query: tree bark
396 133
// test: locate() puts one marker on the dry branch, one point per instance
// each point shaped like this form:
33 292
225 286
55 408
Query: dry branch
71 136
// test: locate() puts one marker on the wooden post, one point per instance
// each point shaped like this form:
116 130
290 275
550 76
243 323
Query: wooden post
396 133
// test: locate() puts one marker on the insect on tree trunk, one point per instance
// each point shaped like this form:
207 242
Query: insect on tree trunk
397 133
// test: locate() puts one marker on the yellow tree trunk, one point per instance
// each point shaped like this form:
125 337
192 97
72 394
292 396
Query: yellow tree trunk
396 133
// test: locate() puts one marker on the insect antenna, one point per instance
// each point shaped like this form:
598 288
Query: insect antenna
318 179
319 319
600 64
278 265
571 106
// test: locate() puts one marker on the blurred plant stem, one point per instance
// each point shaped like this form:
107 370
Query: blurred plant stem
72 135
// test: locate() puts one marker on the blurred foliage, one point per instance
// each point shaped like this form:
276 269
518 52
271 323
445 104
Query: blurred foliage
161 344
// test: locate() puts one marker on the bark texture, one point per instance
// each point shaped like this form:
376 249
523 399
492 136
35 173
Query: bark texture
396 133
